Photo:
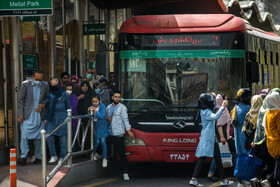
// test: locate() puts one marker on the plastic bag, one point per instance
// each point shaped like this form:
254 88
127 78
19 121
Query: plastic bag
226 156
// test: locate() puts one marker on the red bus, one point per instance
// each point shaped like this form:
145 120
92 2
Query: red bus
167 61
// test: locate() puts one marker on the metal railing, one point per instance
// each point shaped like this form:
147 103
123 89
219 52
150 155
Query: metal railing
68 158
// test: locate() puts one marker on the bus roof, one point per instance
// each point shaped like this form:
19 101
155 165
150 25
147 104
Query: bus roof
184 23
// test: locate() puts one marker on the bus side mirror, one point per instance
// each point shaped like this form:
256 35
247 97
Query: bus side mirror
252 67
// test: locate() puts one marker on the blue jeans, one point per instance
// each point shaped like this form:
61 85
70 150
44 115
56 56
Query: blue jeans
103 146
24 148
62 143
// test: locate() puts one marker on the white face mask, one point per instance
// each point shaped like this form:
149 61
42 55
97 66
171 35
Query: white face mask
69 92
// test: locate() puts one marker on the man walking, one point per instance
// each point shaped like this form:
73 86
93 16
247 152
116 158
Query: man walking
31 103
119 124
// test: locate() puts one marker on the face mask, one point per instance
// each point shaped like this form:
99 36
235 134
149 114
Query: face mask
89 76
98 91
54 88
69 92
37 83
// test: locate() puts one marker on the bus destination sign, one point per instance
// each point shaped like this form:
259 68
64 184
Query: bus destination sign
25 7
184 40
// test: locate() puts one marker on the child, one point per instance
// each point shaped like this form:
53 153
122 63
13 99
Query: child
100 126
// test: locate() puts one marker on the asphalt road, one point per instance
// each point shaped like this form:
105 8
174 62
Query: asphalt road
157 174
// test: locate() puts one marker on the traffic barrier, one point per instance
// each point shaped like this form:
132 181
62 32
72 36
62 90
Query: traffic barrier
13 168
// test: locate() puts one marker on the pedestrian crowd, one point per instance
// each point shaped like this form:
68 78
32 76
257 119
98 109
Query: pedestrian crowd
43 105
255 144
255 121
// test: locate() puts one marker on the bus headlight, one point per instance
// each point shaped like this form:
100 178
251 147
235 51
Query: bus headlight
133 141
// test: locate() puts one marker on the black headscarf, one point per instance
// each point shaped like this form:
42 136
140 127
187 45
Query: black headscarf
57 93
206 101
86 101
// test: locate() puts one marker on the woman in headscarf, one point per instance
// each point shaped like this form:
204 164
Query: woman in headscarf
243 97
260 137
271 122
74 103
250 122
84 96
75 81
56 113
223 126
260 146
238 113
207 146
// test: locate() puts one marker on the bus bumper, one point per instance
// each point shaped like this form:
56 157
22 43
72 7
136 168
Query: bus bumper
160 154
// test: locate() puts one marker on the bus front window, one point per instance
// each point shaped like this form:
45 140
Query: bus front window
160 83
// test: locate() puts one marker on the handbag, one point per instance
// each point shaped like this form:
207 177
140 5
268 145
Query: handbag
226 156
247 166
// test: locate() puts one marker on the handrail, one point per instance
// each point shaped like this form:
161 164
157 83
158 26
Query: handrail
58 127
70 144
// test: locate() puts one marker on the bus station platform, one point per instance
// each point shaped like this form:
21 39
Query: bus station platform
82 170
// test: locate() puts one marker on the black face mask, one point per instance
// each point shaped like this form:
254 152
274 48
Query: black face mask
55 88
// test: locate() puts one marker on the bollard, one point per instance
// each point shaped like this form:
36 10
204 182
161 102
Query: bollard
13 168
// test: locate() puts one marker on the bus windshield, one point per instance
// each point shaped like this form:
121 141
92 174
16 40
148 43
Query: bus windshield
157 74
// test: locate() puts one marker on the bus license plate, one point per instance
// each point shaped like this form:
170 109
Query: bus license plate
171 156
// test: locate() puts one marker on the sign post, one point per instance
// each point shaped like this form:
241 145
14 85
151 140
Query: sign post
94 29
30 62
25 7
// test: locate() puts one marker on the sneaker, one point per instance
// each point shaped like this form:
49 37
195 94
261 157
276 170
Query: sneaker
53 159
265 183
254 182
94 158
30 160
213 179
226 182
194 183
104 163
97 156
126 177
21 161
239 185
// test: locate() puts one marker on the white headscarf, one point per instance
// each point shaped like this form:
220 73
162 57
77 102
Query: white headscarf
272 103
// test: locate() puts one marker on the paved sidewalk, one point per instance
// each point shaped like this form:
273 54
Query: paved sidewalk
28 175
31 174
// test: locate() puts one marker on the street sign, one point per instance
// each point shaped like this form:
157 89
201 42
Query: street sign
29 18
94 29
30 62
25 7
92 64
